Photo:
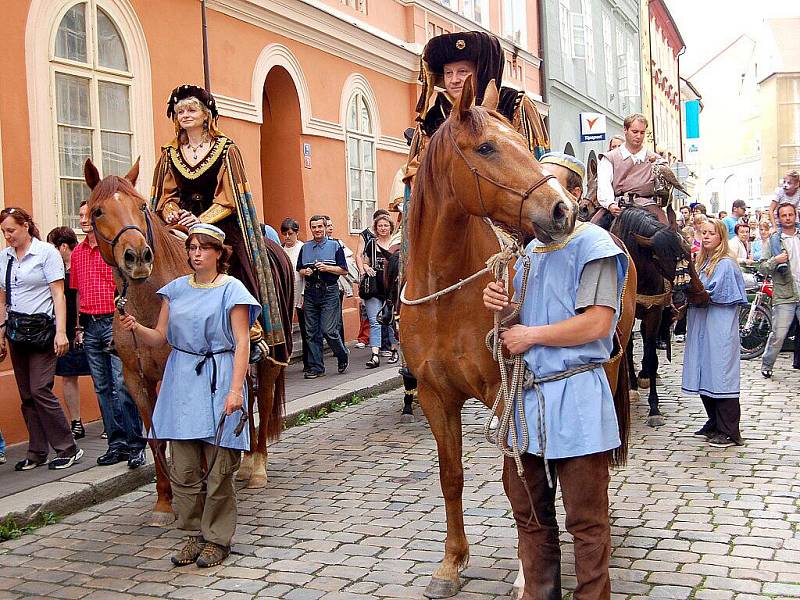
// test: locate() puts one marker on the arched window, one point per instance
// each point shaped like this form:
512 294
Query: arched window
361 160
91 81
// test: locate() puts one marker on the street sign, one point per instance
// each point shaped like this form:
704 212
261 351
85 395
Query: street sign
593 127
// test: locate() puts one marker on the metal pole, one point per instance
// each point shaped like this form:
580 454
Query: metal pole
206 69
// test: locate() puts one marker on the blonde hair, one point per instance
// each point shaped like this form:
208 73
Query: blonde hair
717 254
209 124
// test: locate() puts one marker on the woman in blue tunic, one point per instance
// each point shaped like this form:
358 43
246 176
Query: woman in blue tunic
711 361
206 318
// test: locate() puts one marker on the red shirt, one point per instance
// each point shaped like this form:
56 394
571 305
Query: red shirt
92 277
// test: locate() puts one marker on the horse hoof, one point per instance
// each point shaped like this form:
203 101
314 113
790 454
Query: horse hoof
257 481
441 588
656 420
644 383
408 418
162 519
243 474
516 593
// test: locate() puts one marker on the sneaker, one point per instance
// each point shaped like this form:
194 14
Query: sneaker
77 429
343 364
766 373
393 358
191 550
2 458
212 555
720 440
137 459
104 435
386 353
360 345
313 375
66 462
706 432
112 457
27 465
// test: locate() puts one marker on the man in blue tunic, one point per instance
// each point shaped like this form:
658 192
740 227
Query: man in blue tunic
321 262
561 334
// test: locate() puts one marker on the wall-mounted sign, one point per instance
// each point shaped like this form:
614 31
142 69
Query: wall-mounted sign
306 149
593 127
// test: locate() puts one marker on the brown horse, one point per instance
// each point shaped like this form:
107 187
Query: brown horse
476 167
145 256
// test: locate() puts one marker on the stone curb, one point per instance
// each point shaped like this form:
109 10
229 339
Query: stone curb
95 485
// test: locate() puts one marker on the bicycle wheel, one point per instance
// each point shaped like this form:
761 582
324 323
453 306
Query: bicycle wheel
754 340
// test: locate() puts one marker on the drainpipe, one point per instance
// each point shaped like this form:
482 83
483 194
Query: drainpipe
680 105
206 68
543 64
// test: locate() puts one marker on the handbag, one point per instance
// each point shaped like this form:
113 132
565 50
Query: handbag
35 331
368 286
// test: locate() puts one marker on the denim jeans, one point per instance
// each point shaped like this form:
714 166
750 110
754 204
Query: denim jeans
2 443
322 311
121 418
373 306
782 317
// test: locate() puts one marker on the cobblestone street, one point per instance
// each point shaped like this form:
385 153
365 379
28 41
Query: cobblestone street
353 510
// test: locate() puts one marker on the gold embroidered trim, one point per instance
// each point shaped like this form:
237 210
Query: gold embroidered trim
208 161
560 245
200 286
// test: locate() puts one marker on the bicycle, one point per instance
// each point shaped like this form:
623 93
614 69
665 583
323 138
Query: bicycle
755 321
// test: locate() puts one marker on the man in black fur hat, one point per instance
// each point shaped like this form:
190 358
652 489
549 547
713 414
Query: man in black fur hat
446 62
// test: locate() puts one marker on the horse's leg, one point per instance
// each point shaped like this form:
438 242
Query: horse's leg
246 464
519 584
410 389
654 417
270 391
444 419
631 366
643 377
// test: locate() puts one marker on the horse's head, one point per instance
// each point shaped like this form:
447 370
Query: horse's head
493 173
588 204
121 221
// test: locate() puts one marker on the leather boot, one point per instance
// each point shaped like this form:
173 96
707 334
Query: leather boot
584 490
537 528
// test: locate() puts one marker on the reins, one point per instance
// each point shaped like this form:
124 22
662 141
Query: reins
120 304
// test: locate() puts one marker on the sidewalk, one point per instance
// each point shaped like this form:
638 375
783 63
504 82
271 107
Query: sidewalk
29 494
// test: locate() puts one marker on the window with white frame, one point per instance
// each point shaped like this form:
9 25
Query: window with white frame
515 22
608 60
578 36
565 38
451 4
623 83
591 69
91 82
634 86
478 11
361 161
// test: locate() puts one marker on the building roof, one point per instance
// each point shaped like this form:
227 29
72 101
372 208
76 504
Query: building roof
663 18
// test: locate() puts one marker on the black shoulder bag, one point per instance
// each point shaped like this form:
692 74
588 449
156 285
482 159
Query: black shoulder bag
368 286
36 331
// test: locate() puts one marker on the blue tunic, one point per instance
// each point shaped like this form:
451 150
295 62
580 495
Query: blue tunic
579 411
711 357
199 321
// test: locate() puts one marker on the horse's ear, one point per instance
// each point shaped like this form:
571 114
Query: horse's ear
491 98
466 100
133 174
644 242
593 169
90 174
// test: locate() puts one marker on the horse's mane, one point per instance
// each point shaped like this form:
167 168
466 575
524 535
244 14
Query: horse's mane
633 220
429 180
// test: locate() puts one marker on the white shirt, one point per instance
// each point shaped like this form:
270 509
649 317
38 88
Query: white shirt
738 249
31 277
605 174
299 280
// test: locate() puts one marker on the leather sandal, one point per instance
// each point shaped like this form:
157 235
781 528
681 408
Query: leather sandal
375 361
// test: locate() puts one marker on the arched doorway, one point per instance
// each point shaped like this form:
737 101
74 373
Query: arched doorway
281 150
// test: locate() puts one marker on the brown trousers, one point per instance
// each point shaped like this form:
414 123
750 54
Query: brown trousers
211 511
600 215
584 489
44 417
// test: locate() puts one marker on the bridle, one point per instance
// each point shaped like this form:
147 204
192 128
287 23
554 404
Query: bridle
478 176
148 236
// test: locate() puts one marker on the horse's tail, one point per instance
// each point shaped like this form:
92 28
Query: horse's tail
622 406
275 423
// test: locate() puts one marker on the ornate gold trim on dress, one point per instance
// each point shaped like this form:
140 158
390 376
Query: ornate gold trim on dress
208 161
215 213
220 281
560 245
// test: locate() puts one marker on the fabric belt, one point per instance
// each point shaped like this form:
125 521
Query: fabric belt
86 317
206 356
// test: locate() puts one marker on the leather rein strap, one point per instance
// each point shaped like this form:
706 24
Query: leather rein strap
478 176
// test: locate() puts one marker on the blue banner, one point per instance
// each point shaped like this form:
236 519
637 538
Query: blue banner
692 112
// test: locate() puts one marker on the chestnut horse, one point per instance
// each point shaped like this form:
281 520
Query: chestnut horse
145 256
476 167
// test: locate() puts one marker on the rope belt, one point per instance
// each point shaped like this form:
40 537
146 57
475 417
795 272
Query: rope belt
208 355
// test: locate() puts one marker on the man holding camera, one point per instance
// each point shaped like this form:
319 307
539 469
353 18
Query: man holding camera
782 261
321 262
